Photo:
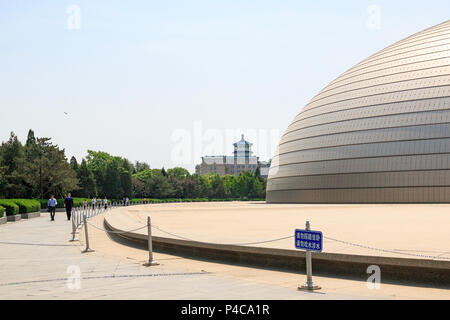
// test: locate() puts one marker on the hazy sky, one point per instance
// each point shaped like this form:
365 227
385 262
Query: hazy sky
148 80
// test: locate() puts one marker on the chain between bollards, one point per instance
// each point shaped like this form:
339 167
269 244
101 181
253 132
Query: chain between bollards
86 212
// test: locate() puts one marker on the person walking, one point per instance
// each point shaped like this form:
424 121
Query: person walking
94 201
85 204
51 204
99 203
126 201
105 203
68 204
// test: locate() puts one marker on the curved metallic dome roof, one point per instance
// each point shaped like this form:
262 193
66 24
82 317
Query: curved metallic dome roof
378 133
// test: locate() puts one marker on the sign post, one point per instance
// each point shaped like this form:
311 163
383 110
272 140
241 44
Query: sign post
310 241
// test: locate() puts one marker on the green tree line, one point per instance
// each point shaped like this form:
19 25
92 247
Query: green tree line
179 183
40 168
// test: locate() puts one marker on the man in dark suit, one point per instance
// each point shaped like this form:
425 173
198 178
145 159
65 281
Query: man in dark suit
68 204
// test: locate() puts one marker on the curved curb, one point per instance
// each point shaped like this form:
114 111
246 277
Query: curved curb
398 270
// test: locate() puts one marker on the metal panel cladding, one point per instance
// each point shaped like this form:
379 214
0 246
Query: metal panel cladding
378 133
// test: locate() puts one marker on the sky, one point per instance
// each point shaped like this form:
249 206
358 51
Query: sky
166 82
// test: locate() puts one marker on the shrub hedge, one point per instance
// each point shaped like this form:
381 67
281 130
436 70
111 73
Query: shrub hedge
2 210
27 206
10 206
152 200
77 202
16 206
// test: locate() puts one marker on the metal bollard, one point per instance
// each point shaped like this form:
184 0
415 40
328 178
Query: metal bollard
74 228
87 236
309 283
150 246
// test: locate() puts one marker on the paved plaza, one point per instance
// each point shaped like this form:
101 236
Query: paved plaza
35 256
403 230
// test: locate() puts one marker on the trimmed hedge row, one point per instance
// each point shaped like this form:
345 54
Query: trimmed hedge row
10 206
27 206
16 206
77 202
151 200
2 210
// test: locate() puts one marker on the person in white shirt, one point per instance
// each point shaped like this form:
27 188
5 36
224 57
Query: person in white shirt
51 204
94 202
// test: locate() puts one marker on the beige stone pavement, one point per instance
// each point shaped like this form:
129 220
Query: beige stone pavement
35 254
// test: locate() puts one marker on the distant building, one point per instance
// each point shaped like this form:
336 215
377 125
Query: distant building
241 160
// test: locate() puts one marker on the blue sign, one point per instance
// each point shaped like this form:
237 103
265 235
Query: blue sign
308 240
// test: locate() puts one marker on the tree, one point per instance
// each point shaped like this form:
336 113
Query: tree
192 187
97 163
217 188
74 164
126 179
249 186
244 182
159 187
230 186
86 179
113 175
12 154
2 179
139 189
12 164
258 174
202 187
32 153
49 171
179 173
140 166
31 140
112 187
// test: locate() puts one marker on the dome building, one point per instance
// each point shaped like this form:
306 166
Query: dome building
380 133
